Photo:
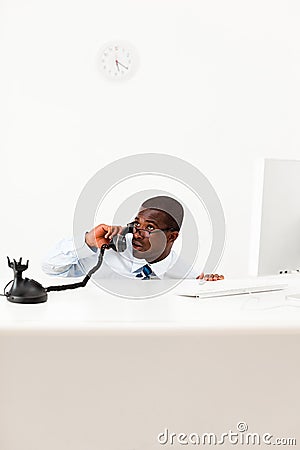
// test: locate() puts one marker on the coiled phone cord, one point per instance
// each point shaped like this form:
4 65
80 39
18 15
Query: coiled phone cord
82 283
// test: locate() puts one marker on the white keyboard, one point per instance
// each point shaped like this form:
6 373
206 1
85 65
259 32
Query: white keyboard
216 291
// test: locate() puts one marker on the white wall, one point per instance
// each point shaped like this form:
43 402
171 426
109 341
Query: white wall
218 85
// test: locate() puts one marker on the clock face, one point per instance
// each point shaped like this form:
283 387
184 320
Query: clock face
118 60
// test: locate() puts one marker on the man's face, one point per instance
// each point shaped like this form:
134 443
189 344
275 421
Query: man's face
157 244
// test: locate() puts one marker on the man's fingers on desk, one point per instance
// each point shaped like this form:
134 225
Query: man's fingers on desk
214 277
210 277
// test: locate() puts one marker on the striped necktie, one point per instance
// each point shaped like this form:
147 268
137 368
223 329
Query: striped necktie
144 272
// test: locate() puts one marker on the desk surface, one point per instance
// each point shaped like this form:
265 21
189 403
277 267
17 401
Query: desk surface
93 308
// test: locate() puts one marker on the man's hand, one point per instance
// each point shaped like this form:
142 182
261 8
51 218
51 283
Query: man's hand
210 277
102 234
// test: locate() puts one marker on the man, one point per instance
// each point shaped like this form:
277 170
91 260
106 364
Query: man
149 252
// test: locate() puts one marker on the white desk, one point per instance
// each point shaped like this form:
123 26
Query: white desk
89 371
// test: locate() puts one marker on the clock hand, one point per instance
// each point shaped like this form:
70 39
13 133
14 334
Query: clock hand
122 65
117 63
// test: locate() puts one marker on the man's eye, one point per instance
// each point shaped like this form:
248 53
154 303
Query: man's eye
150 227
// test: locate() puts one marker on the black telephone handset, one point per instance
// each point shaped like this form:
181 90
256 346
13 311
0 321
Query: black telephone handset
118 242
24 290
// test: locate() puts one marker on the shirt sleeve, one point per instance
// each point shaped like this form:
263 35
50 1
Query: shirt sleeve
67 261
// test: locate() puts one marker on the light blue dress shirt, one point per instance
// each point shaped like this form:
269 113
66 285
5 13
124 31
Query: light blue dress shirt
67 261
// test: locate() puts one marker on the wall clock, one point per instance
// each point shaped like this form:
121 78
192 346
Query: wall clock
118 60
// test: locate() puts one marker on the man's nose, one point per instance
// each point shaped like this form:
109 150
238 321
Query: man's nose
137 235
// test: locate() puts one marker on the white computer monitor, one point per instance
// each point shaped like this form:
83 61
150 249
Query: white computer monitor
275 240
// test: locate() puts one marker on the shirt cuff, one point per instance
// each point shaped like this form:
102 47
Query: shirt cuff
84 250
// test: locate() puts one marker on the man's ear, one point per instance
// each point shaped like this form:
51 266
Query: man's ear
173 236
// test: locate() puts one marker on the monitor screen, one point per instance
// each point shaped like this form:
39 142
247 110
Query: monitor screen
275 245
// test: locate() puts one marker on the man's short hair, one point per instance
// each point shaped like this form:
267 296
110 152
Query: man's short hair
170 206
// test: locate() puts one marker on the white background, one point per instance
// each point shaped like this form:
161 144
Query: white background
218 85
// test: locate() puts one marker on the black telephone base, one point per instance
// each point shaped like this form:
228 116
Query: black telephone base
24 290
27 300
